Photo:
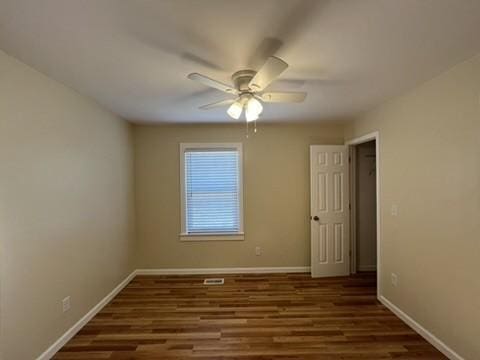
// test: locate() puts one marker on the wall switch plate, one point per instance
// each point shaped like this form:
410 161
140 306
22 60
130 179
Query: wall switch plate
394 279
66 304
394 210
258 251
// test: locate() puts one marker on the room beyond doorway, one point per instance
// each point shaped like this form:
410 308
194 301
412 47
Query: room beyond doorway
364 153
365 207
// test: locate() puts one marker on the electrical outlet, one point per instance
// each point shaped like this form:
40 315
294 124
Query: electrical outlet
394 279
394 210
66 304
258 251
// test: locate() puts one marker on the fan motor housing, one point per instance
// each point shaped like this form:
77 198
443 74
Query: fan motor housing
242 78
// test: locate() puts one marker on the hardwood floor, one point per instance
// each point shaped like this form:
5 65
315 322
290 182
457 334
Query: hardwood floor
274 316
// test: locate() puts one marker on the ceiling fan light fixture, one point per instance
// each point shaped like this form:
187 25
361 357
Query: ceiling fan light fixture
248 88
250 115
235 110
254 106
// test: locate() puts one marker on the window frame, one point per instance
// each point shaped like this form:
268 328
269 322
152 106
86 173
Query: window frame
184 235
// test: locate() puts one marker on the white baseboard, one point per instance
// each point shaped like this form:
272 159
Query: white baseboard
367 267
427 335
57 345
232 270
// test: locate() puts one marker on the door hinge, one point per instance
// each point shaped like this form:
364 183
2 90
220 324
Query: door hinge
349 159
349 206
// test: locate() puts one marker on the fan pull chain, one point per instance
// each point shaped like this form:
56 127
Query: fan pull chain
254 128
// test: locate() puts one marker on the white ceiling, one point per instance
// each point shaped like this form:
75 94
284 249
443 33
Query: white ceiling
133 56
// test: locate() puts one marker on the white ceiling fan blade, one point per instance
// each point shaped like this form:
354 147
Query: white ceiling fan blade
283 97
272 68
205 80
217 104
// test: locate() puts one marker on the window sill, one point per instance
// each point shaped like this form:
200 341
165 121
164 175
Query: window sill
212 237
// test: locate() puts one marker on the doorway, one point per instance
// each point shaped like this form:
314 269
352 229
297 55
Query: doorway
364 254
364 205
335 247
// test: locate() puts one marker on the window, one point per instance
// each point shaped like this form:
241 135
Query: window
211 191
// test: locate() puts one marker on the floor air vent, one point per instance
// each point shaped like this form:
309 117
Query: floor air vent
216 281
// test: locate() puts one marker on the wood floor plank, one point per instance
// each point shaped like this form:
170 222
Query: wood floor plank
250 317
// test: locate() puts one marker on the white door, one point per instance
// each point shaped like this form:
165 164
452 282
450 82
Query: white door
329 199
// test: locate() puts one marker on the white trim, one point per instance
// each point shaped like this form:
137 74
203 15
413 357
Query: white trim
432 339
62 340
212 237
229 270
352 153
359 140
427 335
57 345
183 148
363 139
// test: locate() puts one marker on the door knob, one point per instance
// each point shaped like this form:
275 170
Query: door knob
316 218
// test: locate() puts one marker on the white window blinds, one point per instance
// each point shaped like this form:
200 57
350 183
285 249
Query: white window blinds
212 190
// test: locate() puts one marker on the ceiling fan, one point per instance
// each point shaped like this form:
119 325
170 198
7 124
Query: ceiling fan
249 90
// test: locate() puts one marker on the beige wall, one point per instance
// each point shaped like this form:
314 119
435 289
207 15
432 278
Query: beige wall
366 203
276 186
430 168
66 218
